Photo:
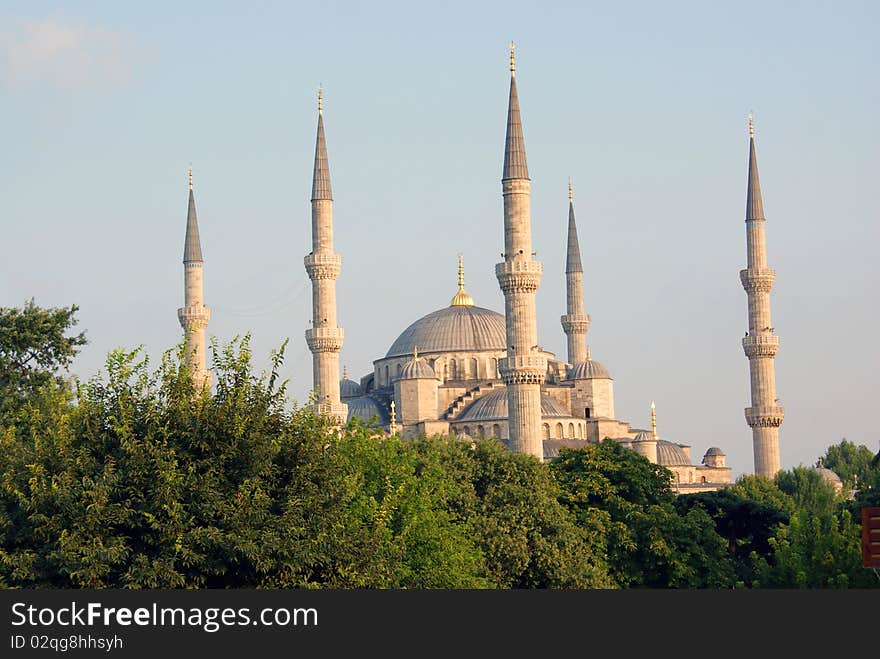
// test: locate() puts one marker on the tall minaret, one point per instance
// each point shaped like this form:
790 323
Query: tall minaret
323 265
760 343
575 322
525 367
194 315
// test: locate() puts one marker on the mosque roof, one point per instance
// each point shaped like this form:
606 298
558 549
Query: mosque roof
452 329
670 454
349 388
418 369
493 406
364 408
714 450
588 370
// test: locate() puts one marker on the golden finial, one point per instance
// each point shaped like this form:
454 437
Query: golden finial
320 100
589 359
190 176
512 59
415 353
461 299
570 191
345 373
393 419
751 125
653 420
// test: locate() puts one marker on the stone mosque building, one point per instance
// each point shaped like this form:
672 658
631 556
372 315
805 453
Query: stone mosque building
469 371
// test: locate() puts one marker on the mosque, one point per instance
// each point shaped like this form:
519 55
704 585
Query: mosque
469 371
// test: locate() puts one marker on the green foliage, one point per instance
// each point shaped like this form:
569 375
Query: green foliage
33 348
816 551
808 490
746 523
854 464
618 494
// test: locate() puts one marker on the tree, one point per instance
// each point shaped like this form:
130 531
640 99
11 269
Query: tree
648 543
808 490
745 523
854 464
34 346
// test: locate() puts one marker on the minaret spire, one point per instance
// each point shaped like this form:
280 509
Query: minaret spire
575 322
760 343
524 369
323 265
194 315
461 299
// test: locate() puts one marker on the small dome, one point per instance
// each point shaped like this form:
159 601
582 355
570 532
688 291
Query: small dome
644 436
588 370
829 476
349 388
714 450
494 406
418 369
364 408
670 454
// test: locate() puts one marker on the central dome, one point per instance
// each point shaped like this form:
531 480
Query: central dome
453 329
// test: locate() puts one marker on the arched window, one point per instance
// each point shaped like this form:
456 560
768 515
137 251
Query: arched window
558 431
481 432
571 430
474 366
496 431
387 375
493 368
399 369
453 369
587 412
467 430
546 431
702 479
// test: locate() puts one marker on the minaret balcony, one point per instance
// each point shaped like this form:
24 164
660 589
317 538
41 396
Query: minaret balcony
325 339
757 280
323 266
523 369
194 317
519 275
575 323
761 345
761 416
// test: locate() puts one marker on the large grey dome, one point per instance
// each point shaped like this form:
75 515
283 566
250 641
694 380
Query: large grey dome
493 406
670 454
364 408
588 370
453 329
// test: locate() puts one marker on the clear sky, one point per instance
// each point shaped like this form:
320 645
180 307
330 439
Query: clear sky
104 105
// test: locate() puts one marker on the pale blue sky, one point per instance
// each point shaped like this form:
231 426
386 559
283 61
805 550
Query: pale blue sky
644 105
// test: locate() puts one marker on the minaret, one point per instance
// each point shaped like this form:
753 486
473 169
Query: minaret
575 322
760 343
194 315
525 367
323 265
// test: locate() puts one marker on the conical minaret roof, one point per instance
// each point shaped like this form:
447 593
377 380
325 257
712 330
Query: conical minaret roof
192 246
514 145
321 176
573 257
754 203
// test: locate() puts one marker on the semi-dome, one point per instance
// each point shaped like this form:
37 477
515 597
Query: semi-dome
714 450
453 329
418 369
670 454
588 370
364 408
493 406
349 388
644 436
